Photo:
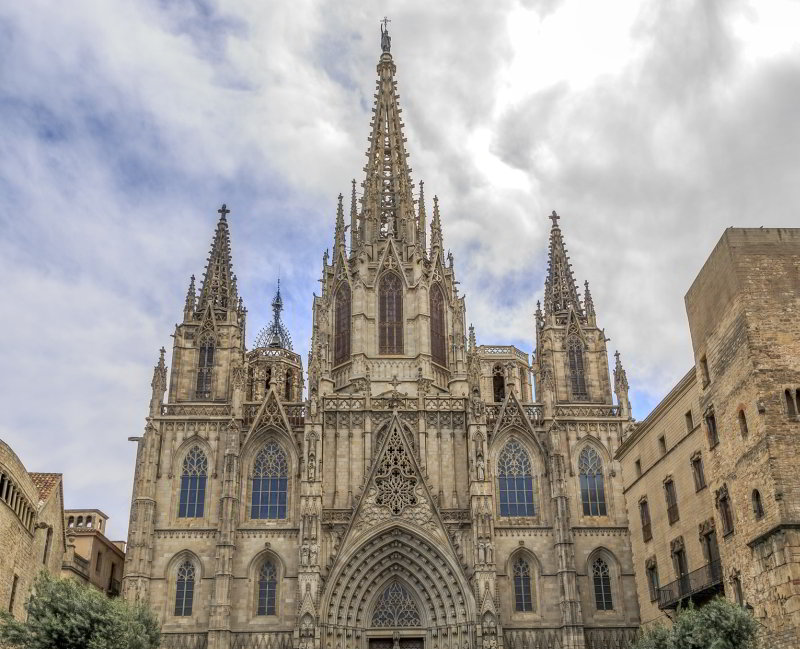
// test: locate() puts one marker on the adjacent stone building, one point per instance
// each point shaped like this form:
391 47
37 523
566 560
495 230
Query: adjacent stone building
738 527
413 493
31 528
91 557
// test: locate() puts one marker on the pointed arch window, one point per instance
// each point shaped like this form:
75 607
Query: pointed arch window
577 376
193 484
342 324
498 384
396 608
523 591
602 585
205 368
184 589
270 483
267 588
516 482
287 386
390 314
438 330
590 470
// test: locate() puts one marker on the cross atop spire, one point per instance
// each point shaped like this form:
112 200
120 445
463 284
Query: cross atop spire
560 290
218 283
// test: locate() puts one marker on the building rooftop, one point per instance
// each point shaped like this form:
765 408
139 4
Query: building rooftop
45 483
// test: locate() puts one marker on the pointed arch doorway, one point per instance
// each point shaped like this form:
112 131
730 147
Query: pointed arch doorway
396 622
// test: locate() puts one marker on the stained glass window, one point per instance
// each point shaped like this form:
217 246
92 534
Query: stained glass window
270 483
267 588
438 331
602 585
593 495
390 316
523 593
193 484
396 608
341 338
184 589
516 482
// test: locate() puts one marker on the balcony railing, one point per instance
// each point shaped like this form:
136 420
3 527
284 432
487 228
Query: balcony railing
697 585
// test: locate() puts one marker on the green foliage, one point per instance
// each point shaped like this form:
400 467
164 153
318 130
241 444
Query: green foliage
720 624
63 614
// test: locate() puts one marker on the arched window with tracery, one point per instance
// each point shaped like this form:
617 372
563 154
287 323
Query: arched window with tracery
270 483
498 383
516 481
205 368
577 376
342 324
524 599
438 329
590 470
396 608
193 484
267 588
601 576
184 589
390 314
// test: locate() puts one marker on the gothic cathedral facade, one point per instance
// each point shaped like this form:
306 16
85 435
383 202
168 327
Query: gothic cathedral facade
413 492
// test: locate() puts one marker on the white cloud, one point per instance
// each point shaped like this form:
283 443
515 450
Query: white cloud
650 127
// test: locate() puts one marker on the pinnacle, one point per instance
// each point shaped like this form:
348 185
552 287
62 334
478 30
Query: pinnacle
561 291
218 284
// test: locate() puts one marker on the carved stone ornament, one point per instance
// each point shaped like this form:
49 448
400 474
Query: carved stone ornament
676 545
395 481
650 563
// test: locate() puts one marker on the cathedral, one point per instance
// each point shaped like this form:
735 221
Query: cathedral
408 488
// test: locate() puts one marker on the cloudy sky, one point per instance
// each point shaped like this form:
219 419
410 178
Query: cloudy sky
649 126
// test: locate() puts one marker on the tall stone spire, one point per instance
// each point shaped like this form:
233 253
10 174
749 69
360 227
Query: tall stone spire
621 387
339 240
388 201
218 285
436 227
560 290
275 334
191 300
353 219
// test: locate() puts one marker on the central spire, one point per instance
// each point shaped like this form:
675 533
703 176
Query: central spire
388 202
275 334
560 290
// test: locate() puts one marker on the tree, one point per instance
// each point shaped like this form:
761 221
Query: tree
720 624
63 614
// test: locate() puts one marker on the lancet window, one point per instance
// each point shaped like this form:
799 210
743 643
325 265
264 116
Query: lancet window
590 470
184 589
438 331
267 588
498 383
193 484
396 608
342 324
205 368
270 483
602 585
517 484
523 591
577 376
390 316
287 386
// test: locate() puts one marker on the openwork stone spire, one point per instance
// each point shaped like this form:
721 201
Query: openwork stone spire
275 334
218 285
560 290
388 201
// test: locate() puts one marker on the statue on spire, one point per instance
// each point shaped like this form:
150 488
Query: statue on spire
386 40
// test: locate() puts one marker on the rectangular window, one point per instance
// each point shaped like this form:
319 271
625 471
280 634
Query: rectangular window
689 422
726 515
638 467
704 370
644 513
99 563
662 445
697 472
672 501
652 582
713 436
